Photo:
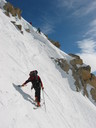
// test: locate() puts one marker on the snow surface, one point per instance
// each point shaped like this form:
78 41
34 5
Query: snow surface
21 53
2 3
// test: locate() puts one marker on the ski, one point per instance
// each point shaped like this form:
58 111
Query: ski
36 107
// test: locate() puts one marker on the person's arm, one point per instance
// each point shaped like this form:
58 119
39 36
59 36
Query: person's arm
27 81
40 82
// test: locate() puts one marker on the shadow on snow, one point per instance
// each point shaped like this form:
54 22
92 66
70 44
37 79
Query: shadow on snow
26 96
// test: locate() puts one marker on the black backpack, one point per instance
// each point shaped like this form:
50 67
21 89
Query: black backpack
35 82
33 73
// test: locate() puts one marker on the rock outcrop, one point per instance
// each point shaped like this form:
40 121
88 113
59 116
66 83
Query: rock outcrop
63 64
9 8
92 80
18 26
56 43
84 72
81 74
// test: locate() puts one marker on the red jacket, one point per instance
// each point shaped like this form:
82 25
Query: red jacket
34 80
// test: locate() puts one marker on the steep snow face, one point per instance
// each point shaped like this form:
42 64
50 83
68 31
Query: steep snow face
21 53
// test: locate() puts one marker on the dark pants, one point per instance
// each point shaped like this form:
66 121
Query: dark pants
38 93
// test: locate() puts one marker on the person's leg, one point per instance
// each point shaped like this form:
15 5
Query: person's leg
38 96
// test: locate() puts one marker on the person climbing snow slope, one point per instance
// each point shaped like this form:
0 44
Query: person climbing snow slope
36 84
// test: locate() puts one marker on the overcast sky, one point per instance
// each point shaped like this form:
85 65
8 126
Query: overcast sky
71 22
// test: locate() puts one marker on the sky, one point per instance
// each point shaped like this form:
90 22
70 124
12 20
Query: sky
70 22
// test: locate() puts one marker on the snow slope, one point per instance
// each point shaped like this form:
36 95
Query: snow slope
20 53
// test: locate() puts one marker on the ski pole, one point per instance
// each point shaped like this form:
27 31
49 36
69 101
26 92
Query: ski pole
47 95
44 100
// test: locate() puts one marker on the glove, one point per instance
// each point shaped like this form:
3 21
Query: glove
22 85
42 88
